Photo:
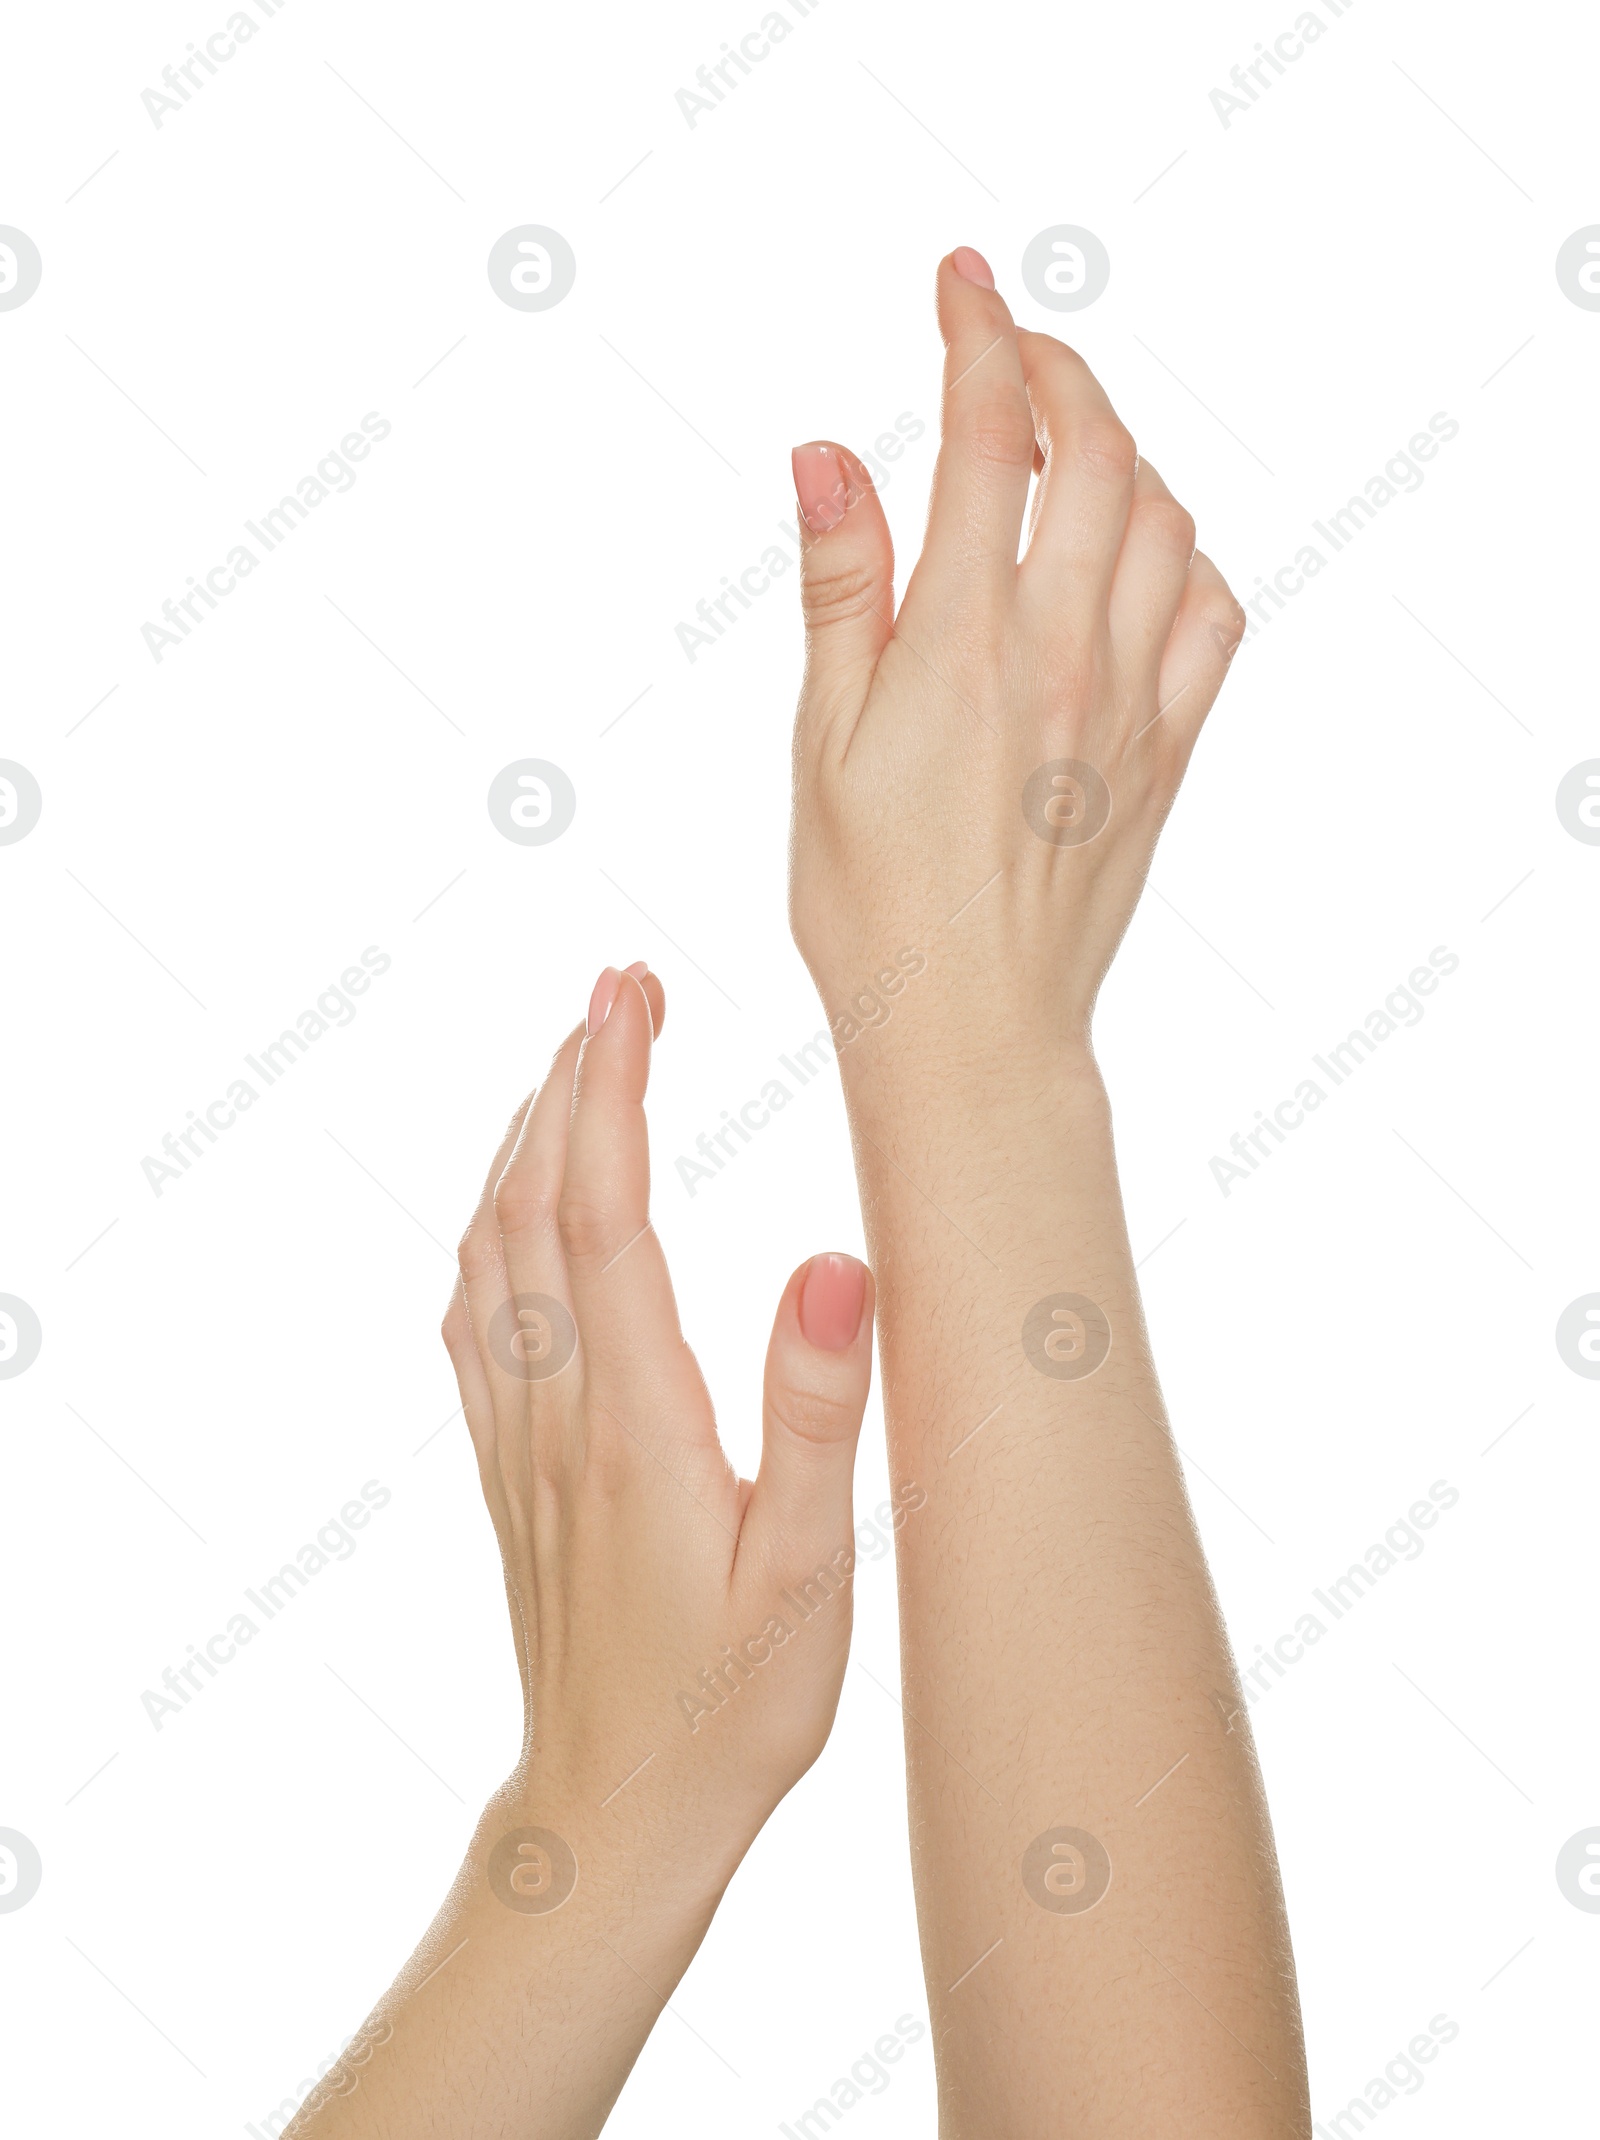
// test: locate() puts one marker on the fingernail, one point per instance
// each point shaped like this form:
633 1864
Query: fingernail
605 994
831 1297
972 267
821 485
638 969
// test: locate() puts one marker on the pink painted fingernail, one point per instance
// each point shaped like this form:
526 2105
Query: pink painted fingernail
605 994
822 485
972 267
831 1297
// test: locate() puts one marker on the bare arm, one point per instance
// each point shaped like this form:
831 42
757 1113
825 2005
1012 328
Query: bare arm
979 785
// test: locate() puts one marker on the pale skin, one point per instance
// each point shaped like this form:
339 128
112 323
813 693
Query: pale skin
1063 1658
635 1562
1098 1900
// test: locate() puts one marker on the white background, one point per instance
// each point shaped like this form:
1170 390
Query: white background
1290 300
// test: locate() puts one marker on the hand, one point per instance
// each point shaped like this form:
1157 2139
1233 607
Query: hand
1016 735
669 1617
681 1633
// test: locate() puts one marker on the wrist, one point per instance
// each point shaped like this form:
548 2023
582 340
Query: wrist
979 1168
973 1080
546 1849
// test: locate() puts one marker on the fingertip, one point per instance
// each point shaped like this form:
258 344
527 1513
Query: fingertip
971 266
967 297
654 994
604 995
834 1302
614 1058
819 1369
828 480
846 585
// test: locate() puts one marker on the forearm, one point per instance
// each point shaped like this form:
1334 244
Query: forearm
513 2018
1063 1657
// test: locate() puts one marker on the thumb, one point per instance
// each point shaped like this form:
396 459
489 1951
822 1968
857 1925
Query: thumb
846 571
819 1365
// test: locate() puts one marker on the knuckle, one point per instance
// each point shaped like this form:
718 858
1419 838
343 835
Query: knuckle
1170 523
813 1415
836 593
1226 622
479 1254
1049 350
1057 379
1000 434
585 1228
520 1201
1105 447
